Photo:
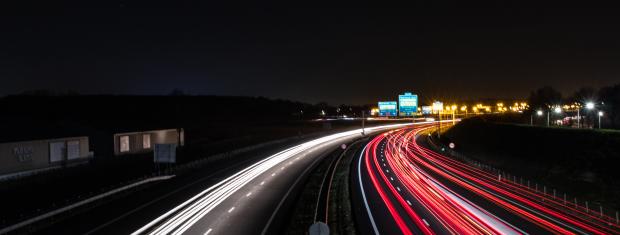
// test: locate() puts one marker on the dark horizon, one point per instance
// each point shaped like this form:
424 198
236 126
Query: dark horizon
340 55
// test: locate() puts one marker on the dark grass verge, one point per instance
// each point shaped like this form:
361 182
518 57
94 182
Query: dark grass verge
583 163
340 209
305 207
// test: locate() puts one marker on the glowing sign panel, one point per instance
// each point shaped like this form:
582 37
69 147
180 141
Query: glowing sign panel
427 109
387 108
437 106
407 104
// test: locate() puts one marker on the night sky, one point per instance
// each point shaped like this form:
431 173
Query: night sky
342 54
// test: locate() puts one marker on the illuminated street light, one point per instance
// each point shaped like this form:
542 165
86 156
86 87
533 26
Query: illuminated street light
539 113
557 109
600 114
590 105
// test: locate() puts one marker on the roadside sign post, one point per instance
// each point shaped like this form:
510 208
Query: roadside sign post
165 154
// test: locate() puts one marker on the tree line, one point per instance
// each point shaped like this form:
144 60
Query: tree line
605 99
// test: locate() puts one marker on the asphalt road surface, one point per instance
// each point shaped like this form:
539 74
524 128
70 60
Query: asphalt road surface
404 187
244 198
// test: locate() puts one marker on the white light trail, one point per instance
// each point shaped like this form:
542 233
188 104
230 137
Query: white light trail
185 215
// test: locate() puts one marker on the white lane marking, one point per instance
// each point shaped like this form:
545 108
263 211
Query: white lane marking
231 209
274 174
408 202
426 222
391 178
281 168
359 177
261 183
398 188
185 215
208 231
247 195
388 171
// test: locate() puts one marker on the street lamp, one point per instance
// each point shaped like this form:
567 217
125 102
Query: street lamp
590 105
539 113
600 114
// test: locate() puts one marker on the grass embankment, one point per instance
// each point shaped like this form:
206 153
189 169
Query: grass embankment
340 211
340 218
305 207
582 163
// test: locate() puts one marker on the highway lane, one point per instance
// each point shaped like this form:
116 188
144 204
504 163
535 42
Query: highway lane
249 201
124 214
407 188
132 211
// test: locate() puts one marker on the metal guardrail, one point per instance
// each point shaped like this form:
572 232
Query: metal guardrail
550 194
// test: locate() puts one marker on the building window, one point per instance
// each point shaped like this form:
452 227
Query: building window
146 141
73 149
124 143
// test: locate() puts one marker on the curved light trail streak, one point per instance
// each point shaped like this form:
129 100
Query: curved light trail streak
426 192
184 216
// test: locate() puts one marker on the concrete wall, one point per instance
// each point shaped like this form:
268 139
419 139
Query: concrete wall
168 136
32 155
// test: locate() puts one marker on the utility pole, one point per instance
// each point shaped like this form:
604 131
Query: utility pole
578 118
453 117
439 131
548 111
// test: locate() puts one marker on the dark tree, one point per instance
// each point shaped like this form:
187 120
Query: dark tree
610 98
177 92
583 95
544 97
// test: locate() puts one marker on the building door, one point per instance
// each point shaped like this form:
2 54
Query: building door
57 151
73 149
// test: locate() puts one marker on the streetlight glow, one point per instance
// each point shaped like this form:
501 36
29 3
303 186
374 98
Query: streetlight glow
557 110
539 112
600 113
590 105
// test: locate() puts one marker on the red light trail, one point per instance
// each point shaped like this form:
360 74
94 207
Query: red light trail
426 192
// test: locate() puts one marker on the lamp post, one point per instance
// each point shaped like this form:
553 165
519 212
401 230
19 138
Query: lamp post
439 131
600 114
557 110
539 113
363 123
454 114
578 117
589 105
